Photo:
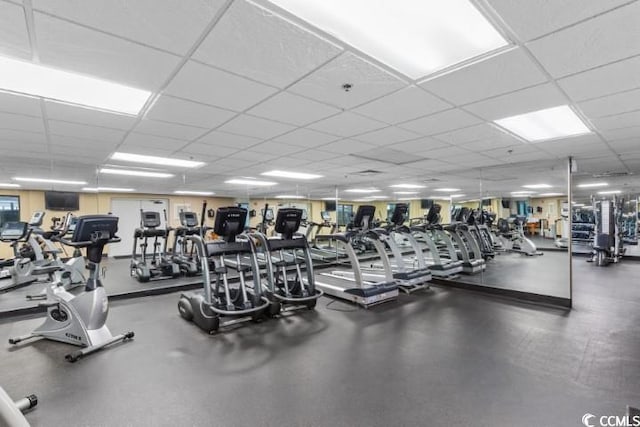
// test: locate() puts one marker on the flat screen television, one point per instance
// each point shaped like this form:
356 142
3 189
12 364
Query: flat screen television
426 203
486 202
506 204
61 201
330 206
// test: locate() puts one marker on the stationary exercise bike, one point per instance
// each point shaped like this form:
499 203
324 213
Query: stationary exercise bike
514 240
80 319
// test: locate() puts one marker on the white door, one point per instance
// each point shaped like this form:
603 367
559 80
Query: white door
128 210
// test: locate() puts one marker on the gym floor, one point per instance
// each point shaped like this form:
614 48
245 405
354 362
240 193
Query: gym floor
448 357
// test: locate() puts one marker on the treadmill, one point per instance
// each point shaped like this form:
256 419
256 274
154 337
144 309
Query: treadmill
349 283
327 252
429 232
469 251
412 273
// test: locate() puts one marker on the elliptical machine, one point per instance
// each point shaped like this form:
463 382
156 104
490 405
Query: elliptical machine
80 319
161 265
284 255
183 254
221 300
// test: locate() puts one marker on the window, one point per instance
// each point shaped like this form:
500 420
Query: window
9 209
345 214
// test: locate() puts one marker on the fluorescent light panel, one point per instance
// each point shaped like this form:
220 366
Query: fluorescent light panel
417 38
34 79
50 181
536 186
288 196
194 193
114 189
610 192
550 123
447 190
362 190
550 194
130 172
405 192
153 160
408 186
453 196
291 175
593 185
250 182
330 198
9 185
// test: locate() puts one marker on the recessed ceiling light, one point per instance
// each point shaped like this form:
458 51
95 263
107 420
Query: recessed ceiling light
407 186
255 182
457 195
550 123
405 198
522 193
194 193
130 172
292 175
288 196
153 160
330 198
362 190
417 38
447 190
536 186
9 185
50 181
405 192
610 192
593 185
114 189
376 197
33 79
550 194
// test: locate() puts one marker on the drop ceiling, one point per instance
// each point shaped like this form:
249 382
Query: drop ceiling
246 89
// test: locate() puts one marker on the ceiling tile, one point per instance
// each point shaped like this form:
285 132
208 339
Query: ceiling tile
621 133
229 140
176 110
441 122
306 138
612 104
13 31
317 155
368 82
403 105
18 104
86 116
251 156
519 102
145 21
79 49
209 150
255 127
420 145
28 137
496 75
625 145
535 18
87 132
21 122
346 125
288 108
588 146
604 39
347 146
462 137
618 121
449 152
169 130
387 136
276 148
83 146
143 141
266 47
612 78
214 87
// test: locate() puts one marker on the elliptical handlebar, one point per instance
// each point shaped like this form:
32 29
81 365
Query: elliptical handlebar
86 243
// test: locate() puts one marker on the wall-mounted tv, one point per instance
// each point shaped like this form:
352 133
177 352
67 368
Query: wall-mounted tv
486 202
426 203
61 201
506 204
330 206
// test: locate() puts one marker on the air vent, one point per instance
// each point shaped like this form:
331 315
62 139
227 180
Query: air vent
367 172
611 174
